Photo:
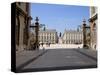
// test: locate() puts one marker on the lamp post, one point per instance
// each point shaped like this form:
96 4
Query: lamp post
84 33
37 26
85 28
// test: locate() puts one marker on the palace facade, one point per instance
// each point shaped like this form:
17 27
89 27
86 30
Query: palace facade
93 26
72 37
23 20
48 36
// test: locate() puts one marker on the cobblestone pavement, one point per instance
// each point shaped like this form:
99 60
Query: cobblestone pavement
59 59
25 57
90 53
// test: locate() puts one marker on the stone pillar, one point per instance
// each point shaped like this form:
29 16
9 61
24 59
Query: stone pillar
21 32
84 34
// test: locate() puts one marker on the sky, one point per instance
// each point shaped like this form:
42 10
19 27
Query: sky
59 17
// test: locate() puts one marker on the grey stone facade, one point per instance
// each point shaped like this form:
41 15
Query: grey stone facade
93 27
48 36
22 25
72 37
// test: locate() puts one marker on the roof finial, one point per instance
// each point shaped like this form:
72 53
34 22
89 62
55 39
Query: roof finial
84 21
37 19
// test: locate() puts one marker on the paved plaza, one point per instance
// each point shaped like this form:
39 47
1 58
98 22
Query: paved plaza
53 59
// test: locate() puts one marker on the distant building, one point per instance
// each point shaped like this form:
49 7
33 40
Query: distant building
72 37
93 27
23 20
48 36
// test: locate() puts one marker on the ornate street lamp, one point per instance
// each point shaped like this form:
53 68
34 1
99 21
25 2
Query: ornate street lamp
37 26
85 29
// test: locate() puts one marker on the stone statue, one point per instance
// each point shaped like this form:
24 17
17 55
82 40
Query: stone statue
60 38
60 34
44 29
